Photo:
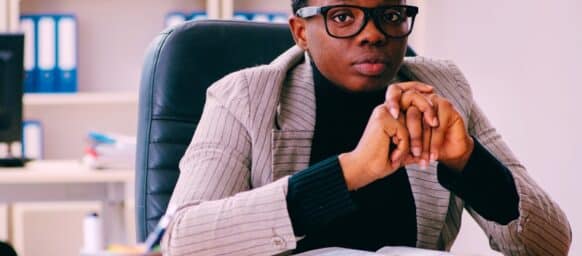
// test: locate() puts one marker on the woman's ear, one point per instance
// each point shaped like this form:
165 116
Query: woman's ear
297 26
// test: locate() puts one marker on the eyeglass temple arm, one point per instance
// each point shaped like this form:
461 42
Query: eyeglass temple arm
309 11
412 12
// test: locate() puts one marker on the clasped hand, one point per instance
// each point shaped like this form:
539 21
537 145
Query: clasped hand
413 126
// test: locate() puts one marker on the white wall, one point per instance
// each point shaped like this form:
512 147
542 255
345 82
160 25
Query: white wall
523 59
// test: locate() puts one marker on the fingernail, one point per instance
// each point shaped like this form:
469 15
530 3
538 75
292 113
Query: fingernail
394 113
433 157
396 156
416 151
435 121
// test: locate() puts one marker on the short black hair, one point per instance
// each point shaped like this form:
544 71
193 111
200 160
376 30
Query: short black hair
298 4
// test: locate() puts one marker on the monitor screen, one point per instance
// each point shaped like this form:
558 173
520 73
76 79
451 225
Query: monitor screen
11 83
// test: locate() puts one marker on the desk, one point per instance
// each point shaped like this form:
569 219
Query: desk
50 181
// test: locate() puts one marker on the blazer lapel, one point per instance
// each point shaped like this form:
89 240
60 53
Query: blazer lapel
432 204
295 121
431 199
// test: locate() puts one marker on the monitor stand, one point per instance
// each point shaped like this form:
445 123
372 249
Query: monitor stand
12 162
9 159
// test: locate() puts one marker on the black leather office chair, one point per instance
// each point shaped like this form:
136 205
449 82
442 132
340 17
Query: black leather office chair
6 249
180 64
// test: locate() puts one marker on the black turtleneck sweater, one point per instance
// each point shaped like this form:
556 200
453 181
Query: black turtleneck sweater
383 213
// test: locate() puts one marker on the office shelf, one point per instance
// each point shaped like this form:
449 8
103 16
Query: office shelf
82 98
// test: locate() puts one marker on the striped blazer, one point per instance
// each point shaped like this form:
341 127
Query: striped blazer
256 130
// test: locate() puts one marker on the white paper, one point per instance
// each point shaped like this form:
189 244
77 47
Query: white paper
385 251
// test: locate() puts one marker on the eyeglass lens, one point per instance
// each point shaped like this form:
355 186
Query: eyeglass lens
347 21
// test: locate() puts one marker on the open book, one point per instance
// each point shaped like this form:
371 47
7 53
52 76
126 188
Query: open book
385 251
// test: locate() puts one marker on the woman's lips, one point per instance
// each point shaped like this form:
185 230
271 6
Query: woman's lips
370 68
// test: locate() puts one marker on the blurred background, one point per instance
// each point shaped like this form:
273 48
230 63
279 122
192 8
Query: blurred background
521 57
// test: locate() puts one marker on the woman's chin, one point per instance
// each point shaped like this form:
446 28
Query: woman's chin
367 84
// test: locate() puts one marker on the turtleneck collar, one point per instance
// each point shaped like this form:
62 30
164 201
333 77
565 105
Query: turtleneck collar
329 94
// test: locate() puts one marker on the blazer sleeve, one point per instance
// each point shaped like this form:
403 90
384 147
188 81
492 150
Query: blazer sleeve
218 211
542 227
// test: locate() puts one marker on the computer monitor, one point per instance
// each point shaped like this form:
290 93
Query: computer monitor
11 84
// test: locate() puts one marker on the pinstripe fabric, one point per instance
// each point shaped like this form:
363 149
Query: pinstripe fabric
256 130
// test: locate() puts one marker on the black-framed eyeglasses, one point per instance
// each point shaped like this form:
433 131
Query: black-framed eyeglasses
345 21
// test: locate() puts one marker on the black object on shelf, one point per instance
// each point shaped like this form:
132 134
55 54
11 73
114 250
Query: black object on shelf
11 74
13 162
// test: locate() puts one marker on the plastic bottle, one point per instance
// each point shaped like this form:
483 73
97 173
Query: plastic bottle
92 234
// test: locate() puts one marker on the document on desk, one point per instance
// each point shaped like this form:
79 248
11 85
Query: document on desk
385 251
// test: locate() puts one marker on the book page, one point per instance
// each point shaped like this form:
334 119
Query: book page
406 251
338 251
385 251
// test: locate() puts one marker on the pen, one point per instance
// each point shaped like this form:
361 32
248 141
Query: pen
155 236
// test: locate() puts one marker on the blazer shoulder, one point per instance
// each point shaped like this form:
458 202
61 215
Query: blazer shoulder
260 79
239 83
431 66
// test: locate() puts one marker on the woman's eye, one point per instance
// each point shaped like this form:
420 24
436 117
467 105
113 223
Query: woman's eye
341 18
392 17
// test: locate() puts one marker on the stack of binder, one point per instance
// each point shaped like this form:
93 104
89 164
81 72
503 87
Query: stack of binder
50 61
261 17
176 18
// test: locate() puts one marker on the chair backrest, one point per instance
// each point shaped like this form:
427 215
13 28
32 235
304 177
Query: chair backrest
180 65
